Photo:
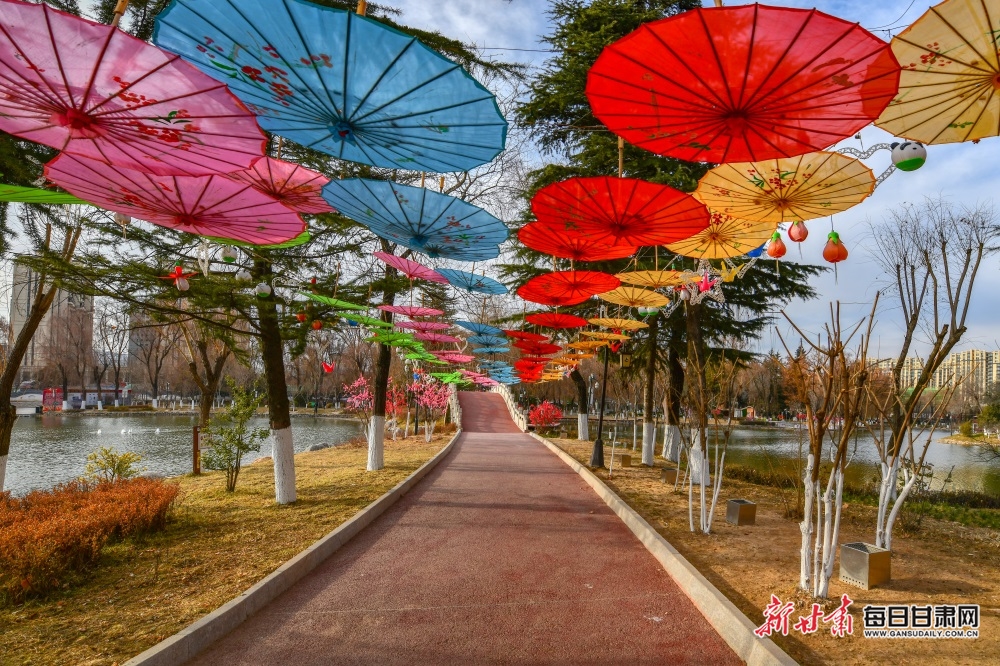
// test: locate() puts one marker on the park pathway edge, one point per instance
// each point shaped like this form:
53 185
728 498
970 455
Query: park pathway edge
729 622
189 641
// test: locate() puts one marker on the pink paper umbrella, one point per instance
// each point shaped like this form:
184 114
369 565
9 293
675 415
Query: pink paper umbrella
292 184
204 205
411 310
454 357
91 90
424 326
435 337
411 269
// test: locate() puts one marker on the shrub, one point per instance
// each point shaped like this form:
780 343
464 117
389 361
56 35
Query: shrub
229 436
107 464
46 536
545 415
965 429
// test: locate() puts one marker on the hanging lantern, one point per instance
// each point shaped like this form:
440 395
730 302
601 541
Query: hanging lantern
263 290
908 155
179 277
626 360
776 248
685 294
301 316
317 325
835 251
229 254
797 232
243 275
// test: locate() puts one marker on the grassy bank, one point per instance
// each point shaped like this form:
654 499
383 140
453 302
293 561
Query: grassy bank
215 545
934 562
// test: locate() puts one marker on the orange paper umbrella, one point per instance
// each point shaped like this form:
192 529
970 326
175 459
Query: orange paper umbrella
557 240
620 210
601 335
566 287
587 345
726 237
555 320
619 323
635 297
787 190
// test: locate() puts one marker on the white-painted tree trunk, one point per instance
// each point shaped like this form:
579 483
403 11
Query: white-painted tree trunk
698 460
65 405
406 430
156 403
116 404
582 427
806 526
671 443
100 406
283 454
3 471
648 444
897 505
428 430
376 443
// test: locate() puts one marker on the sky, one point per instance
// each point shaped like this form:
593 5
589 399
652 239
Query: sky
960 173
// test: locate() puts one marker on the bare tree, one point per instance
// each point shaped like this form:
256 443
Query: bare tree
931 254
152 343
112 330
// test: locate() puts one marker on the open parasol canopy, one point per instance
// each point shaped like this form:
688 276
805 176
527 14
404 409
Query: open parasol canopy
435 224
634 297
363 320
411 310
619 323
487 340
435 337
608 337
409 268
537 348
726 237
951 67
490 350
203 205
555 239
479 284
555 320
294 185
788 189
566 287
479 329
525 335
12 193
454 357
620 210
656 279
93 91
743 83
334 302
423 326
587 345
338 82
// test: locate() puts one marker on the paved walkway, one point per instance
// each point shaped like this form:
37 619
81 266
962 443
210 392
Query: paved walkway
501 555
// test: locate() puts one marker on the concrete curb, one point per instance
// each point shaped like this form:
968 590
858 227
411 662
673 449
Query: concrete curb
188 642
734 627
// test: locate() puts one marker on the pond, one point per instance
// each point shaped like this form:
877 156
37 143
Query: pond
51 449
763 449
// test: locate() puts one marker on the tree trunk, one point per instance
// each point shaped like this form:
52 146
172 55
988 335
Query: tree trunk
671 403
648 401
699 408
582 421
376 433
282 449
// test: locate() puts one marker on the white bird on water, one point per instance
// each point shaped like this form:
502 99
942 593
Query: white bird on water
130 431
123 431
157 431
98 431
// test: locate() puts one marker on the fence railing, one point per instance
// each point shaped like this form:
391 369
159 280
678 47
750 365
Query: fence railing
520 418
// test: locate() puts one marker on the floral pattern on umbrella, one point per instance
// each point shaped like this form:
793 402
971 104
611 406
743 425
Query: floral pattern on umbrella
725 238
410 268
203 205
743 83
338 82
93 91
294 185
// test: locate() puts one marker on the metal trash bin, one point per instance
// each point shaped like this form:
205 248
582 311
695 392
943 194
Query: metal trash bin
864 565
741 512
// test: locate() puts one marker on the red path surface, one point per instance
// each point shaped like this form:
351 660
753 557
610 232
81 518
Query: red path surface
501 555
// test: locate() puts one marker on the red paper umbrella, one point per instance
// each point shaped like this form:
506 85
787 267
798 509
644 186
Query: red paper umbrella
555 320
294 185
424 326
528 366
557 240
411 310
537 348
620 210
91 90
328 367
567 287
741 84
526 335
204 205
411 269
435 337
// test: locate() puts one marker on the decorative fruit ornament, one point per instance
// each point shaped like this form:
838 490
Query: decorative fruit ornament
908 155
317 325
797 232
776 248
301 316
835 251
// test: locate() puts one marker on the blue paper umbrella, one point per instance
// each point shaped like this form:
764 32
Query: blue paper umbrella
424 221
338 82
489 340
491 350
481 329
479 284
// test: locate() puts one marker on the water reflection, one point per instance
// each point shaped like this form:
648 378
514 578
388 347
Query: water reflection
52 449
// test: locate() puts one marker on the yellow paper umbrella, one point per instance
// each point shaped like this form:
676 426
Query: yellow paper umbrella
620 323
657 279
587 344
726 237
634 297
601 335
951 73
790 189
572 358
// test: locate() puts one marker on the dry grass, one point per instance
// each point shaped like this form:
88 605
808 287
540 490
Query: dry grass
942 562
215 546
